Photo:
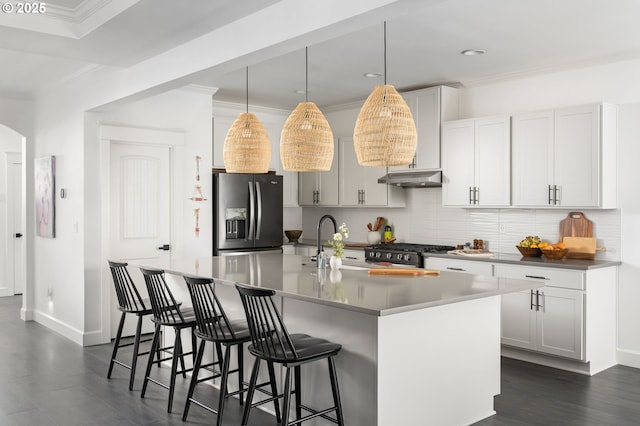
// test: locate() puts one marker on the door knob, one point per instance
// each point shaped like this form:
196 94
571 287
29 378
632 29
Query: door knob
18 235
165 247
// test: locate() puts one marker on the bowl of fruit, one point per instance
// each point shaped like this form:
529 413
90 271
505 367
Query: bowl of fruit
531 246
555 251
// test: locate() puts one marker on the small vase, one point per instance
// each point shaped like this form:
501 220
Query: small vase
335 262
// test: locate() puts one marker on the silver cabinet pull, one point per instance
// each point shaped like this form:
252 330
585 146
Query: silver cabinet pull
532 305
550 196
470 195
455 269
536 277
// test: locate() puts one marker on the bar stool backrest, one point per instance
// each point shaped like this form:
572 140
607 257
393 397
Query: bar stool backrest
210 316
128 296
269 335
163 304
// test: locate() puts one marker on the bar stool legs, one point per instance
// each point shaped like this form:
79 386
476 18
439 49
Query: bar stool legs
136 349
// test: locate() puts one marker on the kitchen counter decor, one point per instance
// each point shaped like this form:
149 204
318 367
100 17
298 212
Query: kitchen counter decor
337 244
529 252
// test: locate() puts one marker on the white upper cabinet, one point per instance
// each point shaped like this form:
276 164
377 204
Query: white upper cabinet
359 184
566 158
532 160
429 107
476 162
320 188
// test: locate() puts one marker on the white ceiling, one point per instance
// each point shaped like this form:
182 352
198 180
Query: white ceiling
423 48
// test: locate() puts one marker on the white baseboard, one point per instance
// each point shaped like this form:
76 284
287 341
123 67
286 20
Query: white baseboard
629 358
92 338
26 314
81 338
59 327
548 360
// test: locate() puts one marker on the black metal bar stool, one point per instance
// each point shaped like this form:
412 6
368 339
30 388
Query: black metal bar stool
167 312
129 302
270 341
213 325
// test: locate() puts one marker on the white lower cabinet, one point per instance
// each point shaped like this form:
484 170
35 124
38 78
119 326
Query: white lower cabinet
549 320
572 317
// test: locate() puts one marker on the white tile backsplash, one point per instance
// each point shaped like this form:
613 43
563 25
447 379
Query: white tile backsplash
424 220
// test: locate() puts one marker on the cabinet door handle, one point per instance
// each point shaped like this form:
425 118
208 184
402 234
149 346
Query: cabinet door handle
455 269
535 277
363 197
550 197
476 195
556 198
470 195
532 305
351 257
538 305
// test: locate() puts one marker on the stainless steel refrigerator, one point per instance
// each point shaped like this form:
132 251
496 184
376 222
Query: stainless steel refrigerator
247 213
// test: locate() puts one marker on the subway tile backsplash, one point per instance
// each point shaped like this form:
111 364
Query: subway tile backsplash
424 220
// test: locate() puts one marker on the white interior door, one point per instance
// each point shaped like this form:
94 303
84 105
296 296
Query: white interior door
140 205
16 226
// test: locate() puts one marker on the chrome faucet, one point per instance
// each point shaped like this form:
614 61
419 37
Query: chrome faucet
335 230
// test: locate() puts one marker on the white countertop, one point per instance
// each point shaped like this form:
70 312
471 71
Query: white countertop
296 277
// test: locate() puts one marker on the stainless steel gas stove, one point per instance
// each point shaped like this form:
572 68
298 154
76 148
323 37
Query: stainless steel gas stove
403 253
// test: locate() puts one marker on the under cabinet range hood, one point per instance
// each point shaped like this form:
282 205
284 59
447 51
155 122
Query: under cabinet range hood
421 179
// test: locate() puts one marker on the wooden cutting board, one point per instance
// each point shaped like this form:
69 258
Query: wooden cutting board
404 271
575 225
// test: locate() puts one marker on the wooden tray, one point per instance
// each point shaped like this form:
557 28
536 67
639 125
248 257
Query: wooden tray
580 247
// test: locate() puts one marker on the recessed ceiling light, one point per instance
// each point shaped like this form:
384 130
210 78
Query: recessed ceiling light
299 92
372 74
473 52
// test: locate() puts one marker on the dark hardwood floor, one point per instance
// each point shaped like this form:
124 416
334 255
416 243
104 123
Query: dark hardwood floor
47 380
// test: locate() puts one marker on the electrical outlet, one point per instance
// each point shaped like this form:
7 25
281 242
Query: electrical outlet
50 293
503 228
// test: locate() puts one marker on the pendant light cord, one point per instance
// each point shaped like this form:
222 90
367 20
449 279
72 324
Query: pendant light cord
385 52
306 74
247 86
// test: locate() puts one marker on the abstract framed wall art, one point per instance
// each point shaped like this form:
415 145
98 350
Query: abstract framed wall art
45 175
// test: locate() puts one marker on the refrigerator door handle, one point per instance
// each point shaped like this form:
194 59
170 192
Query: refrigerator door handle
259 213
252 211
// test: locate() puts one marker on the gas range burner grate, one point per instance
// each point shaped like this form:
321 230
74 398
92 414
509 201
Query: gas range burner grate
416 248
403 253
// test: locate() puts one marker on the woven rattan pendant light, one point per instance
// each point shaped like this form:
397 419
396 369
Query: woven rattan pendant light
385 133
246 147
306 142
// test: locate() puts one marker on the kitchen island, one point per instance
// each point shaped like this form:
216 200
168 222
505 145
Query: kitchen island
416 350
